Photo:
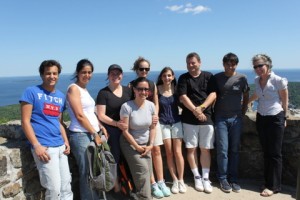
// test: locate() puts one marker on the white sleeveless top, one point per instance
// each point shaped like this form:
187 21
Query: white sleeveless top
88 107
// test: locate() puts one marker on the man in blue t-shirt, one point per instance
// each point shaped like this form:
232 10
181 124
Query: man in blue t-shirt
41 110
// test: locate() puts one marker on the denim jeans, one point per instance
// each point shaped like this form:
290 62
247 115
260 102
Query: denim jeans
55 175
79 142
228 134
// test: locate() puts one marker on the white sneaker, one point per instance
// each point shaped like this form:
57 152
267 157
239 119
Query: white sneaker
198 184
182 187
175 188
207 186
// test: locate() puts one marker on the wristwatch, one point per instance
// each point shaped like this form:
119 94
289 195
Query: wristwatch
202 107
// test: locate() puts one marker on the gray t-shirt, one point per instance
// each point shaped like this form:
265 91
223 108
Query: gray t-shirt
140 119
229 94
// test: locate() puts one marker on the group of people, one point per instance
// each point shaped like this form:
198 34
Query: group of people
138 118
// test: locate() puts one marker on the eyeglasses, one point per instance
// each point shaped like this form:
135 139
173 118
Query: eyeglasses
139 89
258 66
144 69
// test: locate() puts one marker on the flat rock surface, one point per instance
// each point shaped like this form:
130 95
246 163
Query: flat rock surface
250 191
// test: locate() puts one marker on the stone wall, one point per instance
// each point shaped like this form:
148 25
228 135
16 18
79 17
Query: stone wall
19 177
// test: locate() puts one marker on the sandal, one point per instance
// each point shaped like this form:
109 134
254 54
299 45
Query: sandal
266 193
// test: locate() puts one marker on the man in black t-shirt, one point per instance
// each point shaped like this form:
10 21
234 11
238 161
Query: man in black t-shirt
197 92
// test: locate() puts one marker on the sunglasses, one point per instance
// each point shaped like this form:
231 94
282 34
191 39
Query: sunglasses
144 69
258 66
140 89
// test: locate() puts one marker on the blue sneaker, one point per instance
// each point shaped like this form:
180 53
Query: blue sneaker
236 187
225 186
156 192
165 190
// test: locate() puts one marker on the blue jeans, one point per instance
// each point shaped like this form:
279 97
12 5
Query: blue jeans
55 175
79 142
228 134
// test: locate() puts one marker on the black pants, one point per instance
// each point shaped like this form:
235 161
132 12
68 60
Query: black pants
271 130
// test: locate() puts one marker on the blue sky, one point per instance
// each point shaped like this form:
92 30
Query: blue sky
162 31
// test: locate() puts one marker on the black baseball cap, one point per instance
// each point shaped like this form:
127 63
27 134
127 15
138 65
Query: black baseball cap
114 66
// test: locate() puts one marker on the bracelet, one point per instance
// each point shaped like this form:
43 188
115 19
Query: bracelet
151 143
95 134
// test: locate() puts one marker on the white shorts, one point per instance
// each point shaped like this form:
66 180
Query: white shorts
158 136
171 131
198 135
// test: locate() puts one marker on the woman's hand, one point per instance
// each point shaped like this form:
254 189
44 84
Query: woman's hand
41 153
97 139
154 119
147 149
104 131
121 125
140 149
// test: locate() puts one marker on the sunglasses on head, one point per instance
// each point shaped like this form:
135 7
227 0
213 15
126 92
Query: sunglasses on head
140 89
144 69
258 66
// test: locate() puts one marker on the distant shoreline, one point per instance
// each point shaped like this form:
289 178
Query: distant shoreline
157 71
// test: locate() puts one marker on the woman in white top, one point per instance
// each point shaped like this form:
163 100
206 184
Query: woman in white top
84 124
271 91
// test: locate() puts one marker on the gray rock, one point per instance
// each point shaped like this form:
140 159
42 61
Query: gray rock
15 158
11 190
3 165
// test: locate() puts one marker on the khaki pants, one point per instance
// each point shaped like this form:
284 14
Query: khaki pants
140 168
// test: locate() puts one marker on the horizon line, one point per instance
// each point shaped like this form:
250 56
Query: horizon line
214 69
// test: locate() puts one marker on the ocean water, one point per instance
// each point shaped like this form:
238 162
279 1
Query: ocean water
13 87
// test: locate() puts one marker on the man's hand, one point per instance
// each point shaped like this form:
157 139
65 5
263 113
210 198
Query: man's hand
68 149
202 117
41 153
